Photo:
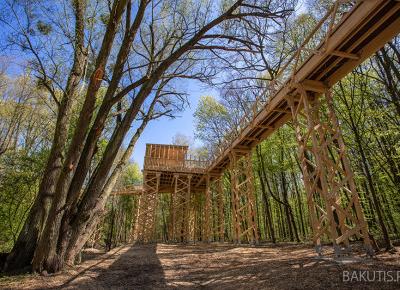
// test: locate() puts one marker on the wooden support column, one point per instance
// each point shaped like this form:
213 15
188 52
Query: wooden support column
172 219
144 231
220 200
136 227
332 197
180 208
207 211
196 217
236 223
187 207
251 204
177 209
215 200
243 200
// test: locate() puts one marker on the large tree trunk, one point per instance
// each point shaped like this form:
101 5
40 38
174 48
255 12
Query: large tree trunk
78 241
23 250
101 117
45 256
90 203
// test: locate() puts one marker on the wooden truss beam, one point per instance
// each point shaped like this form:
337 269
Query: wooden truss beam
332 197
180 208
214 222
144 230
243 199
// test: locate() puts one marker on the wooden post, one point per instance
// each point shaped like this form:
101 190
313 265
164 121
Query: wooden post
147 210
243 199
221 220
175 209
307 170
207 211
172 218
235 199
181 208
187 206
327 173
138 223
251 204
154 196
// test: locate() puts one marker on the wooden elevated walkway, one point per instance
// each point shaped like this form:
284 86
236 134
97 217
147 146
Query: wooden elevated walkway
345 40
346 43
345 37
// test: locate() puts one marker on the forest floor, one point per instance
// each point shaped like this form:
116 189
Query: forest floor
216 266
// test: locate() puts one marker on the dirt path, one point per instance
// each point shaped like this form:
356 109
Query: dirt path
212 267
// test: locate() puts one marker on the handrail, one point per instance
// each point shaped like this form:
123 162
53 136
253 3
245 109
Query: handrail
153 163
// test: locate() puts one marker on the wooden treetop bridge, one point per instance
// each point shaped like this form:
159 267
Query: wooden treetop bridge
348 34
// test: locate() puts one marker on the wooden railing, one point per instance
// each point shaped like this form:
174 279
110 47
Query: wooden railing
188 164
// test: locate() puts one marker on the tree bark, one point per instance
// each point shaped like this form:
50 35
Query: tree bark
24 248
45 256
101 117
77 241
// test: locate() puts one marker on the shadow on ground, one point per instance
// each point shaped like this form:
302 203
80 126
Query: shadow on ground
216 266
137 267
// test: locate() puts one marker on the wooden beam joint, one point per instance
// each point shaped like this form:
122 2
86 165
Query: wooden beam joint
345 54
312 86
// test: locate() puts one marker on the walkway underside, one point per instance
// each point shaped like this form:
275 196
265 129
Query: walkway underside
194 189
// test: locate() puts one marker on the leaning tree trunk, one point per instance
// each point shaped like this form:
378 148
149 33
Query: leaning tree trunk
101 117
75 247
92 199
24 248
